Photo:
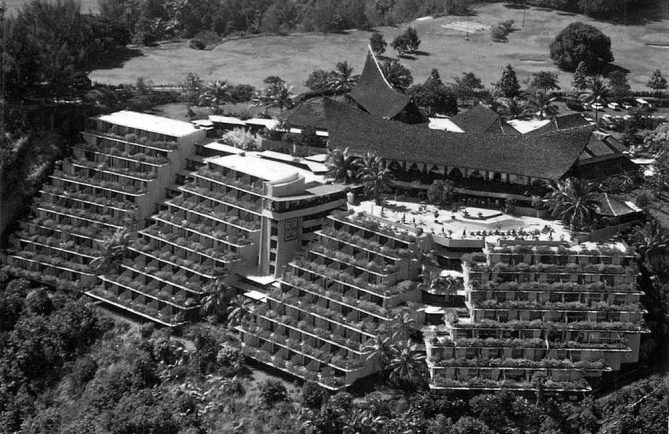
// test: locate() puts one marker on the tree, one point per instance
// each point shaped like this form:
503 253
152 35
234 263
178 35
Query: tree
191 88
545 80
657 82
406 42
276 94
378 43
215 303
597 92
114 249
342 79
580 42
543 103
508 85
515 108
407 367
272 392
343 166
657 140
238 310
466 86
441 191
379 350
574 202
652 244
397 74
375 176
581 79
434 96
319 80
215 94
620 88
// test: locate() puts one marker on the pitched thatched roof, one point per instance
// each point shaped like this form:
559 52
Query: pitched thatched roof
547 156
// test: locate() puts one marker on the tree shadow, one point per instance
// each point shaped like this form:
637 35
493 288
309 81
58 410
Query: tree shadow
421 53
612 67
116 58
407 57
516 6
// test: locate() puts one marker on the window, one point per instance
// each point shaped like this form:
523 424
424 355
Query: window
273 244
275 230
272 269
272 257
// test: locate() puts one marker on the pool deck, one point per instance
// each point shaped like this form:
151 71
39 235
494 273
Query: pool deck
467 223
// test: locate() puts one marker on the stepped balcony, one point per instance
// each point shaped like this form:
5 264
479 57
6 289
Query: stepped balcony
172 256
131 143
104 188
376 231
316 362
50 270
611 275
494 379
215 179
115 157
200 211
119 212
558 255
231 199
555 292
347 285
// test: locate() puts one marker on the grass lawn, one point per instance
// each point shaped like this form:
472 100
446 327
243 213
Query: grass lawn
293 57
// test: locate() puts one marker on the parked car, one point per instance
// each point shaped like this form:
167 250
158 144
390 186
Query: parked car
643 103
597 106
613 106
627 105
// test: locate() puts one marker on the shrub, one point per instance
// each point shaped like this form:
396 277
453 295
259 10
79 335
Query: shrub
205 41
272 392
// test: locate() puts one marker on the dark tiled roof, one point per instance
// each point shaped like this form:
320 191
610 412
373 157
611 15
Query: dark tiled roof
601 145
375 94
547 156
560 123
613 206
308 113
482 120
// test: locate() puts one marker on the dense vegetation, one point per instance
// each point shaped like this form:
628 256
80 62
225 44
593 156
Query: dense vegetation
65 368
147 21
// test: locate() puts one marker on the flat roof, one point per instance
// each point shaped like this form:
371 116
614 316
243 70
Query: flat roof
222 147
146 122
444 124
262 168
270 124
226 120
525 126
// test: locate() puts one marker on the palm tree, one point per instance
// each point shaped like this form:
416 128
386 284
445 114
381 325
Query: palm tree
652 243
276 94
375 175
343 166
396 74
514 108
597 92
574 202
216 300
342 79
401 327
379 350
406 365
239 309
114 249
215 94
543 102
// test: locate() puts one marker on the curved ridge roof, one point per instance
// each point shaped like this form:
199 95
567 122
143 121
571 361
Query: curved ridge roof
375 94
547 156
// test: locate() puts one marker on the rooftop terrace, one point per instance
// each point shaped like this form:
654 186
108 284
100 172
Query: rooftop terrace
146 122
466 222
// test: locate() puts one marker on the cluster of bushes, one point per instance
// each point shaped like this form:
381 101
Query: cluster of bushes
499 32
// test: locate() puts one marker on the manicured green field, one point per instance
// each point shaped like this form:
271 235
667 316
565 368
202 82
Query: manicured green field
294 57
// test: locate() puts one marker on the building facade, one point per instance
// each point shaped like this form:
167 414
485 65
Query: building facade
540 315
